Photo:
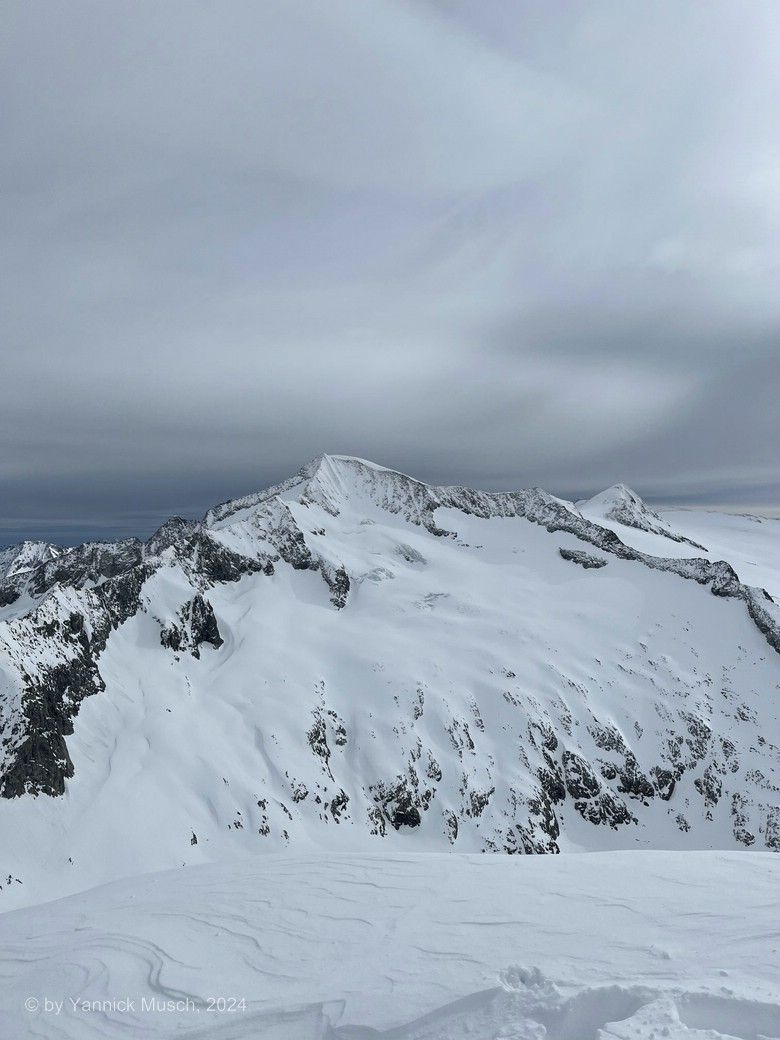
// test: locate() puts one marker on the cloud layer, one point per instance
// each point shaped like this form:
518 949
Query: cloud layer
495 243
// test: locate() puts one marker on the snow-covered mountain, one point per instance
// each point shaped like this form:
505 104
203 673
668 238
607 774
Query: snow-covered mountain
24 556
623 506
356 660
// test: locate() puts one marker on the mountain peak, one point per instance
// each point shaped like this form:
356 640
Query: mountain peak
168 533
24 556
326 480
620 504
613 497
623 505
353 655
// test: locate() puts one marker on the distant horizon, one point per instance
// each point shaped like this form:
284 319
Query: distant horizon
69 531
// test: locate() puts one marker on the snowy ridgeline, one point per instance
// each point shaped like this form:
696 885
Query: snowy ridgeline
354 660
604 946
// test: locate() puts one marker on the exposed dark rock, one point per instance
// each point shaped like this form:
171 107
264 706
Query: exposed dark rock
633 781
317 737
551 779
477 802
540 834
605 809
398 804
627 508
410 554
607 738
197 625
37 756
211 562
740 820
433 769
338 805
772 829
338 728
709 786
664 782
339 584
581 781
87 564
9 592
400 801
450 825
173 532
582 558
108 577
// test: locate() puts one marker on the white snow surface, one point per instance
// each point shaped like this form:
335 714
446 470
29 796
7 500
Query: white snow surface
605 946
751 544
306 816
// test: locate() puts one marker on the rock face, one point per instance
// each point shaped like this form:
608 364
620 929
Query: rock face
584 559
54 653
173 532
196 626
25 556
354 651
16 564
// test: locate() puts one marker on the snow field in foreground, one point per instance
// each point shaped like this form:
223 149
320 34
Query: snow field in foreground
604 946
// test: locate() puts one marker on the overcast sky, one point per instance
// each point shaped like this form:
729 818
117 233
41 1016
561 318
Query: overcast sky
501 243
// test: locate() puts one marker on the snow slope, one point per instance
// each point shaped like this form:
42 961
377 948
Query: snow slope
406 946
625 508
356 660
750 543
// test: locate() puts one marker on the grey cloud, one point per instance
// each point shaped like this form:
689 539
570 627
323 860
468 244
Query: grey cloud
499 244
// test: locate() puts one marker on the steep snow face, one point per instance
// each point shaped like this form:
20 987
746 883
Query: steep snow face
355 659
624 507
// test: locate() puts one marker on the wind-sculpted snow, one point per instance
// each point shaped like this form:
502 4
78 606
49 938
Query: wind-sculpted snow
406 947
356 659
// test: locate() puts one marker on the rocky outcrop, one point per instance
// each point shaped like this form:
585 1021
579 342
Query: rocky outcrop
55 653
195 625
583 559
173 532
26 556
